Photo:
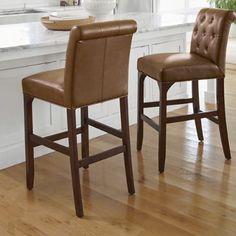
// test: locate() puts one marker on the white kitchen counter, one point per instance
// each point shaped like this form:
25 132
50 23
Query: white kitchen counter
16 38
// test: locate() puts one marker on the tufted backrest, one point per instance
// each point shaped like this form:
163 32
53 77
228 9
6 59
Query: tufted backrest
210 35
97 62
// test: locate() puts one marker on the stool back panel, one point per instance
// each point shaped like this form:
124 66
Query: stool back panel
210 35
98 62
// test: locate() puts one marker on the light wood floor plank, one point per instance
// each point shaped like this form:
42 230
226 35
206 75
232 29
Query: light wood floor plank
195 196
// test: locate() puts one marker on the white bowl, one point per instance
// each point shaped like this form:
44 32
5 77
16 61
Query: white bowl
99 7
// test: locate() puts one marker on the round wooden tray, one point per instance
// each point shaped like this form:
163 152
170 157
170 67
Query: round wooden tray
65 25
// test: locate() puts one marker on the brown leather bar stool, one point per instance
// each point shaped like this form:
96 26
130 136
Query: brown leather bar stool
205 61
96 70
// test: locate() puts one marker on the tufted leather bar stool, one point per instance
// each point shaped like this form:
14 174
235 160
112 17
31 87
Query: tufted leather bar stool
205 61
96 71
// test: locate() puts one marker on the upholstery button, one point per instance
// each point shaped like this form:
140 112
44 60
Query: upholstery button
211 20
203 19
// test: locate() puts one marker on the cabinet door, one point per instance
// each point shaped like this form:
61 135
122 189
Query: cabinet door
11 103
168 47
175 46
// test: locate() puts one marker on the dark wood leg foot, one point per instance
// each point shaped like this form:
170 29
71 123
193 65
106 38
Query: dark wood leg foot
85 133
126 143
141 78
222 118
71 119
196 108
29 149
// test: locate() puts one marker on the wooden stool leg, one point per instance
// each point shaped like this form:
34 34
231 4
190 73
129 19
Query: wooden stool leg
196 109
141 78
162 123
126 142
29 149
71 119
222 118
85 133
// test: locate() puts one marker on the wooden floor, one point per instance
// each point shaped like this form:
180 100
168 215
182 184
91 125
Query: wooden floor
195 196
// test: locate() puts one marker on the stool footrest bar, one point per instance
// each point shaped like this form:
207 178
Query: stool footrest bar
169 103
62 135
200 115
37 140
105 128
213 119
150 122
101 156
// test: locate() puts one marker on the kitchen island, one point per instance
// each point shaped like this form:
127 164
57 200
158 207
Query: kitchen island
29 48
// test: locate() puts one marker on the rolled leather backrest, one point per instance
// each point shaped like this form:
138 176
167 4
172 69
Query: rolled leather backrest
97 62
210 35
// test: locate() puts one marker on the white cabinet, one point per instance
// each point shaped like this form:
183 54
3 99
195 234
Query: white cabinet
169 47
151 86
50 118
11 116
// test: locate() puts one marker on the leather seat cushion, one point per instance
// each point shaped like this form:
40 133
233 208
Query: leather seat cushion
168 67
48 86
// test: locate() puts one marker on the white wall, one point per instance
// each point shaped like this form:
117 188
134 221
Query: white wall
6 4
180 5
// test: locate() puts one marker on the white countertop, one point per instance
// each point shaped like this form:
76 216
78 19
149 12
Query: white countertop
28 35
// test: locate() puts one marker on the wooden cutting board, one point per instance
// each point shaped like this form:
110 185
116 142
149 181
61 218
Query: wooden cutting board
65 25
